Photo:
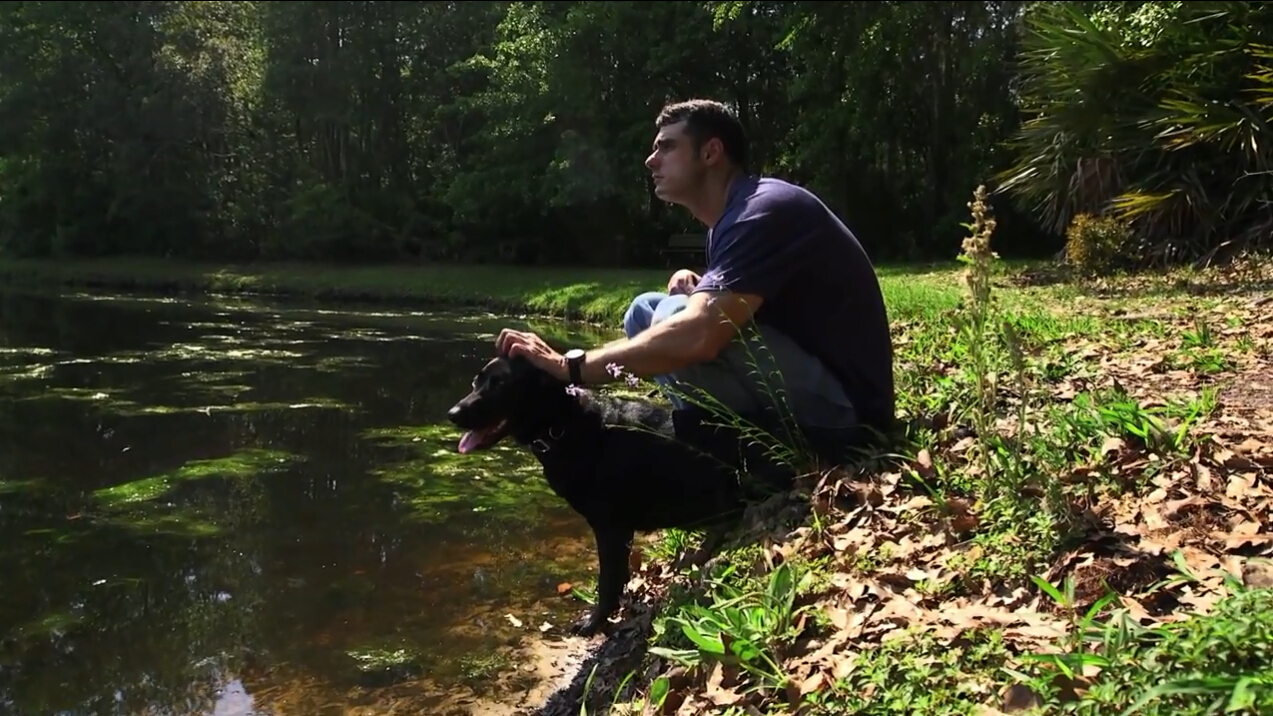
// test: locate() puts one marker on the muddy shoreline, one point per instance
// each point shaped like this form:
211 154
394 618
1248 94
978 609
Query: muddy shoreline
557 675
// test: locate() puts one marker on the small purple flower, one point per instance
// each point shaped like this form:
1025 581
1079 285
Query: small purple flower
574 390
616 370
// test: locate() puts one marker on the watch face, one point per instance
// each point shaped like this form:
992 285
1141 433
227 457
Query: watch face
574 354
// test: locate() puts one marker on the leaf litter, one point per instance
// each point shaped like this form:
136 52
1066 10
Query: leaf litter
1162 526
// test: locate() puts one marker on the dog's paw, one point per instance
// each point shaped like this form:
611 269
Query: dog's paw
587 626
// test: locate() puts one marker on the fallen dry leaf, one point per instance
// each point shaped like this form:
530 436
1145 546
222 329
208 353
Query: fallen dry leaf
1112 445
1017 698
812 684
1257 574
716 692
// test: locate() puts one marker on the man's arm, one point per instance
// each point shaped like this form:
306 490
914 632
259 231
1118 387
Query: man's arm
754 259
693 335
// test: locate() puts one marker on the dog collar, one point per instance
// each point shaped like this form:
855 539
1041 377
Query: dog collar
544 445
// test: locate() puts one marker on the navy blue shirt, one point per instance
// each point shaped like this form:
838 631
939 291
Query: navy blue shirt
780 242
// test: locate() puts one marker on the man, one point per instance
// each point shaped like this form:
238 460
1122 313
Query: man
780 262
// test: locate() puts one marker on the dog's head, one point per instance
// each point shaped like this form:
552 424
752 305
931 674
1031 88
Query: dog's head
510 397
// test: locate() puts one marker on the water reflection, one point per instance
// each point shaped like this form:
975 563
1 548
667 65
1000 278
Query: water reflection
219 508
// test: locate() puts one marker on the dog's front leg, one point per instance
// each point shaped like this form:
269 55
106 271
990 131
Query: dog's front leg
613 548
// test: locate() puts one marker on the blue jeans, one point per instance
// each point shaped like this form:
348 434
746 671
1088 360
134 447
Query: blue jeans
813 396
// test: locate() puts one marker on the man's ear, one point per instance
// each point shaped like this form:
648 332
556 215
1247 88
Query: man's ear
712 151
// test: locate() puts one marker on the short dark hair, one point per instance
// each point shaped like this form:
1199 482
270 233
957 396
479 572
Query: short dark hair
705 119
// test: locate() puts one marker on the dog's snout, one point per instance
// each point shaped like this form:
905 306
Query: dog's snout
453 413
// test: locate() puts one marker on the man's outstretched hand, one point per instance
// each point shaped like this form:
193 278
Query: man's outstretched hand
523 343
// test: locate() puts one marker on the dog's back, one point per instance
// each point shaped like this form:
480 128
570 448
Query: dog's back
627 466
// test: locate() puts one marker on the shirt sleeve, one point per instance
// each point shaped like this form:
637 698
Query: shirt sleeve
754 255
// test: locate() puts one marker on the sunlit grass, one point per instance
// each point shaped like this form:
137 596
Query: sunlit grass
593 294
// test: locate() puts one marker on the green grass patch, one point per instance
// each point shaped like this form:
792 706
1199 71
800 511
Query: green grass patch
588 294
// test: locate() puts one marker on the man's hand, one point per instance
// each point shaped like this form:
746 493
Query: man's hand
683 281
521 343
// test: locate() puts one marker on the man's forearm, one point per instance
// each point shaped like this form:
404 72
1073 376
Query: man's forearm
662 348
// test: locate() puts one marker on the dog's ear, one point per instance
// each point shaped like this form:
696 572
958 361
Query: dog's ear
547 378
518 364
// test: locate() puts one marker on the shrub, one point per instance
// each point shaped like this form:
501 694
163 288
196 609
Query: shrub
1099 244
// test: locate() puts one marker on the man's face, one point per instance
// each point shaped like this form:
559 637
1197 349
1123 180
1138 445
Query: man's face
677 169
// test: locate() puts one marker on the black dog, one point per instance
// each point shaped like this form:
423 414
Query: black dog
617 462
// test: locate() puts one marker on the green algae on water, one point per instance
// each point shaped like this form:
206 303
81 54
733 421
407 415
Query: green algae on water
127 409
385 661
11 487
244 464
435 480
176 522
136 506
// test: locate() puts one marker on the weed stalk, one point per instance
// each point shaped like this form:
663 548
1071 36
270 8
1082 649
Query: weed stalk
976 320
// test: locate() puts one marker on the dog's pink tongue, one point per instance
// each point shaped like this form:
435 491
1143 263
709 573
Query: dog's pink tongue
468 441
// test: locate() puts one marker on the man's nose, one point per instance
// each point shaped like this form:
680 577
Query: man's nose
650 160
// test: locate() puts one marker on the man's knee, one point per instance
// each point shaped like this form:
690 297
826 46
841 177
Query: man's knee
640 313
669 306
781 375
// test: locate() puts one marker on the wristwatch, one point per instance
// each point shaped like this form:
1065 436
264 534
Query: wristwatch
574 363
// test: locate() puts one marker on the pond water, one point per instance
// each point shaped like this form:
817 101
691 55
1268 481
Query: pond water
228 507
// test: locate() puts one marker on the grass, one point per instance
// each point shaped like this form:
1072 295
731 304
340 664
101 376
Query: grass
593 295
1074 521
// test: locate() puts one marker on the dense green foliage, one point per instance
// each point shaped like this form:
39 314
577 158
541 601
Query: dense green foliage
1156 113
516 131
